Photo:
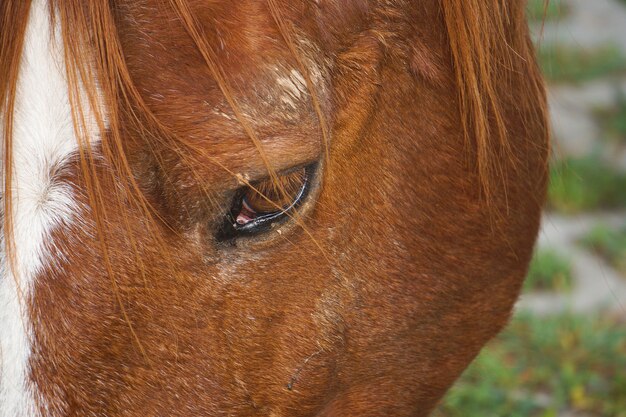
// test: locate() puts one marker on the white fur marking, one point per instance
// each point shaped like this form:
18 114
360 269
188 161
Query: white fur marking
43 139
294 88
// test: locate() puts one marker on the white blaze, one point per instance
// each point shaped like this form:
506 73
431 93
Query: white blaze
43 138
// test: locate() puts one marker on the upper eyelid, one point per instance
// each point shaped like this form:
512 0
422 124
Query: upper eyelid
265 175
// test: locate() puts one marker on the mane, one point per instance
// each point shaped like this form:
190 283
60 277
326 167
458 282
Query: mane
482 48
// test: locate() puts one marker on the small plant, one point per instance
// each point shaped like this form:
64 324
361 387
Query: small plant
549 271
609 244
613 120
546 366
566 64
584 184
540 10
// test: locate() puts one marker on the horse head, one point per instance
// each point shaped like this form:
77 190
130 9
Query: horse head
261 208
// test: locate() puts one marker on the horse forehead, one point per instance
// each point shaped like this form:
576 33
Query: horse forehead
266 81
244 42
43 144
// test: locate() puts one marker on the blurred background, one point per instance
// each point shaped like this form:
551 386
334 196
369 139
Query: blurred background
564 353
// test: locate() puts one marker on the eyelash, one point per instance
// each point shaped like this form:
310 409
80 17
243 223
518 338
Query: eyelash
243 220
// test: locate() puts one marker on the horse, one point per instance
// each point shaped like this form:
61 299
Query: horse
261 207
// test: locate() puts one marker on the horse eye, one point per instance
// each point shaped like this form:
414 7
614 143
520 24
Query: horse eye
259 207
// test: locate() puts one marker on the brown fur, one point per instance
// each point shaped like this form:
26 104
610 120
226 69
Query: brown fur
409 260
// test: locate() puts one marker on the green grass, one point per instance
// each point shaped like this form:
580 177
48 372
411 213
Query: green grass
613 120
585 184
537 11
549 271
539 367
568 64
608 243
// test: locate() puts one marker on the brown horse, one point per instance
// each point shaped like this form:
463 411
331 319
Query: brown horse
261 208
